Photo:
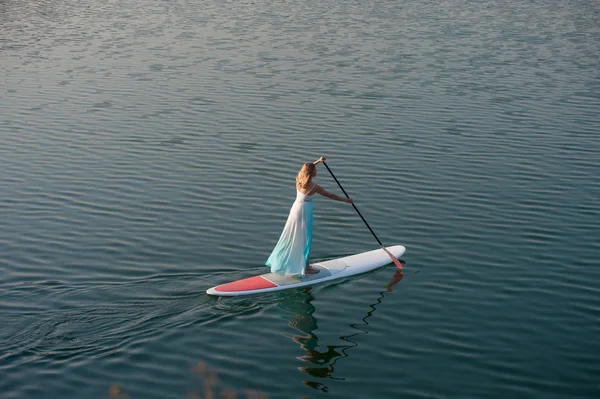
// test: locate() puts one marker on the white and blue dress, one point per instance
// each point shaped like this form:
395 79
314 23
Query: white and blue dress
292 251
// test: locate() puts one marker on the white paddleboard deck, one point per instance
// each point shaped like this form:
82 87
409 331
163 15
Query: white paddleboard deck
330 270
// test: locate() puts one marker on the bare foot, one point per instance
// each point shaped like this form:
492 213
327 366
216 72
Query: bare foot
312 270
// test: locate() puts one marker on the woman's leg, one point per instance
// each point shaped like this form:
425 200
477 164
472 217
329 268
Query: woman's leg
309 269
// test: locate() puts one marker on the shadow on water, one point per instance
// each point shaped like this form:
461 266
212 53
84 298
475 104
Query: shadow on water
300 313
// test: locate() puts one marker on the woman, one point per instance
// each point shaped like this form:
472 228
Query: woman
292 252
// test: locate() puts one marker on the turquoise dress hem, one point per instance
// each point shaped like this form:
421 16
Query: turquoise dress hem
292 252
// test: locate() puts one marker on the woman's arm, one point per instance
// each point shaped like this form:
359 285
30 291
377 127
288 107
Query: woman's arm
325 193
318 161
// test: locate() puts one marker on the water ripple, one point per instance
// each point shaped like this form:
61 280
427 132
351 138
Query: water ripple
149 151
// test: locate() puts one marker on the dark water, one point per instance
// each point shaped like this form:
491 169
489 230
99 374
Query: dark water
148 152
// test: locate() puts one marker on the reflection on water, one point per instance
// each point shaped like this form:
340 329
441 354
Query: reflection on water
299 311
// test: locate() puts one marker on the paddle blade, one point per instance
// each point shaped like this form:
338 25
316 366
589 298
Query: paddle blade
396 261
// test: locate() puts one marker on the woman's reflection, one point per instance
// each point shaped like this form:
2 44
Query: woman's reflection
298 310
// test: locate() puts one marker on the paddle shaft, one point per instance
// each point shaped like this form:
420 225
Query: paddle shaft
355 208
396 261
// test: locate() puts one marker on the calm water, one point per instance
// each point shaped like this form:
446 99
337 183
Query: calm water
148 151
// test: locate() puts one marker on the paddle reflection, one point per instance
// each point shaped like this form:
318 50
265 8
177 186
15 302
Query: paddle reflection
299 312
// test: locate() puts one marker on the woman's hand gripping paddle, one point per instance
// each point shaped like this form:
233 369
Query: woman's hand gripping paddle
396 261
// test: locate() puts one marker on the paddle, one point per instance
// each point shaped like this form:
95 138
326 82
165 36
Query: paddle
396 261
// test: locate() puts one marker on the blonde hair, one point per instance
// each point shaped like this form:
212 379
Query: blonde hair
304 175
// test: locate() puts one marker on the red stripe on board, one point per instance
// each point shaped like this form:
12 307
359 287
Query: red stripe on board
247 284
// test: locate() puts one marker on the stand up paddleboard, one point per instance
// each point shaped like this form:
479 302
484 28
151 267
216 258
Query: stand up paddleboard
330 270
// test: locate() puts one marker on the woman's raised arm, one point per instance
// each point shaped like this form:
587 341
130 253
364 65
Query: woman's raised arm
318 161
